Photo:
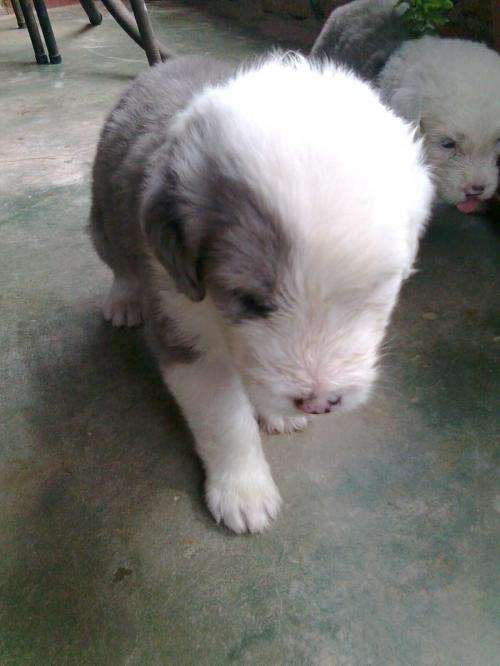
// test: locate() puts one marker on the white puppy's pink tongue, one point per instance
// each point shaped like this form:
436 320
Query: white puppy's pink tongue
468 206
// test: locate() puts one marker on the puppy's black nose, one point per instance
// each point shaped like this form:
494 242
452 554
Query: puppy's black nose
476 189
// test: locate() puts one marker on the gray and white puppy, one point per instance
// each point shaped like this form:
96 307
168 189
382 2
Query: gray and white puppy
449 88
362 35
261 221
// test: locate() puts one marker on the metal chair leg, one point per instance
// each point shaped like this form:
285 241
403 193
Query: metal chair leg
48 33
19 14
146 31
124 18
142 33
95 17
36 39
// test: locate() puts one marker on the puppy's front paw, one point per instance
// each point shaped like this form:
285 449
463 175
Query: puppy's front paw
123 306
276 425
245 501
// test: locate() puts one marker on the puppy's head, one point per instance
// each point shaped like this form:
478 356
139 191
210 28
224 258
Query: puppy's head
451 88
292 201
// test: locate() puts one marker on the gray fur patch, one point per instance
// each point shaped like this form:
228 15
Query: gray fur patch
362 35
167 344
211 230
243 264
184 202
135 134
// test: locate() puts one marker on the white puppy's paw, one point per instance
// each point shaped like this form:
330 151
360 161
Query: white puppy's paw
276 425
245 501
123 306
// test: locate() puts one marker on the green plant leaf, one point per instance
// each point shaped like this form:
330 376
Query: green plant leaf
426 16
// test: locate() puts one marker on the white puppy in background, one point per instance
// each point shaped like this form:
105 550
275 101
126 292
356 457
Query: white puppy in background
450 89
261 220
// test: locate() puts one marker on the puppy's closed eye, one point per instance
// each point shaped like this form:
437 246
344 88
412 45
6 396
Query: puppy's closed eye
253 306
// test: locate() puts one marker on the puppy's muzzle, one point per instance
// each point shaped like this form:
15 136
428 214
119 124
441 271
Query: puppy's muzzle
315 405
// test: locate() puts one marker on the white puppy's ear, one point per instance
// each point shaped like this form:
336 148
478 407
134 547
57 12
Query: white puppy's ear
407 103
168 234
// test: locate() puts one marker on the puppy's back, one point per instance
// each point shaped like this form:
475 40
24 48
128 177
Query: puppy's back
362 35
135 129
150 102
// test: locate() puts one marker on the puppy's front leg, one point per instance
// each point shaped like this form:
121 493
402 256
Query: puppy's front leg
240 490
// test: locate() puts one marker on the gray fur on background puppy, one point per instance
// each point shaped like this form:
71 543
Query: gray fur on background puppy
450 88
362 35
261 221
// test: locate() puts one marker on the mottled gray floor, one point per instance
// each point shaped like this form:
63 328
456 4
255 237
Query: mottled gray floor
387 548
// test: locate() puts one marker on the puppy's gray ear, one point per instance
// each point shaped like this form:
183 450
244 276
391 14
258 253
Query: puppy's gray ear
168 234
407 103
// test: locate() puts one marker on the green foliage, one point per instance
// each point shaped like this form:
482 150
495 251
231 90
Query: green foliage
426 16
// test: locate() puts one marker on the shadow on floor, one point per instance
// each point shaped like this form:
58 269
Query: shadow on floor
108 442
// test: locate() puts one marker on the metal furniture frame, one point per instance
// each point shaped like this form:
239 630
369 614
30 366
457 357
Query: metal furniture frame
136 25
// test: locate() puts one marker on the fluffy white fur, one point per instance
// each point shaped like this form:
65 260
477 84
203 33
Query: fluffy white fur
345 177
451 88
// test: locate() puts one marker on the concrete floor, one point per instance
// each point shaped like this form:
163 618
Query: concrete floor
386 552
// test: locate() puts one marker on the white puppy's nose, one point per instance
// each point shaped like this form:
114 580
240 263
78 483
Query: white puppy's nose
316 405
475 190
